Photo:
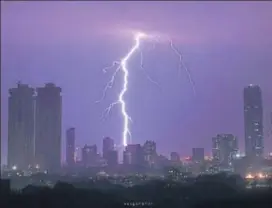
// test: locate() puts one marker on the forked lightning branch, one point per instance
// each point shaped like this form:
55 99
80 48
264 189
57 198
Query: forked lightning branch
122 67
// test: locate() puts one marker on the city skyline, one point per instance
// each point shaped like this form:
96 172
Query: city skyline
36 116
177 120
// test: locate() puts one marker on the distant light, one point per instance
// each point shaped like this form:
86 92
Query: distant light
252 85
14 167
37 166
260 175
249 176
238 155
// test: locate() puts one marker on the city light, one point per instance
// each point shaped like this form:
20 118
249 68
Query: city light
261 175
249 176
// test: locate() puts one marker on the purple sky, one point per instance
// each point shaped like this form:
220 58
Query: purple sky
226 46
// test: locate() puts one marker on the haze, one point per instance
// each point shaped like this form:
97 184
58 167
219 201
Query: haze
226 46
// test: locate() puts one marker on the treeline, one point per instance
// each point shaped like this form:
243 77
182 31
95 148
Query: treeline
206 191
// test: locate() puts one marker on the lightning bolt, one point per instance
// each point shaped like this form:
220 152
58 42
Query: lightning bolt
182 65
146 73
126 132
111 82
122 66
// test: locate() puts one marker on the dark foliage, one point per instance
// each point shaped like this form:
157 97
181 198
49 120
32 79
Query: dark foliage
206 192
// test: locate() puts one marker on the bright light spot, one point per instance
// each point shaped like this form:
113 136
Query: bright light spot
37 166
260 175
14 167
249 176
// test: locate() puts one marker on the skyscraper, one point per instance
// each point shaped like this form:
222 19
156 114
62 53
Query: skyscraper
133 155
224 149
109 154
78 154
198 154
70 147
48 127
108 146
174 157
253 120
150 153
21 127
112 158
89 155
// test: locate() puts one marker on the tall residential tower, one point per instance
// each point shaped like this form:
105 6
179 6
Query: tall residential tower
21 127
253 120
109 154
70 147
150 153
108 146
224 149
48 127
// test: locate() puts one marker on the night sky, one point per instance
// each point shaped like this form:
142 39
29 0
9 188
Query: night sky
225 45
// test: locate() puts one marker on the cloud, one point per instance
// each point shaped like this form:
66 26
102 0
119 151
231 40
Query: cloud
83 22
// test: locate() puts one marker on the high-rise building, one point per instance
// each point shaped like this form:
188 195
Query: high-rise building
150 153
224 149
174 157
162 161
112 158
253 120
70 147
89 155
108 146
198 154
21 127
133 155
78 154
48 127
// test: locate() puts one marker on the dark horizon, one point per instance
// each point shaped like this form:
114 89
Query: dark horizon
226 46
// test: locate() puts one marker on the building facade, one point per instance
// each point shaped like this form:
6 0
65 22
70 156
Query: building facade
48 127
21 127
198 154
253 121
150 153
108 146
224 149
89 155
70 147
175 158
112 158
133 155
